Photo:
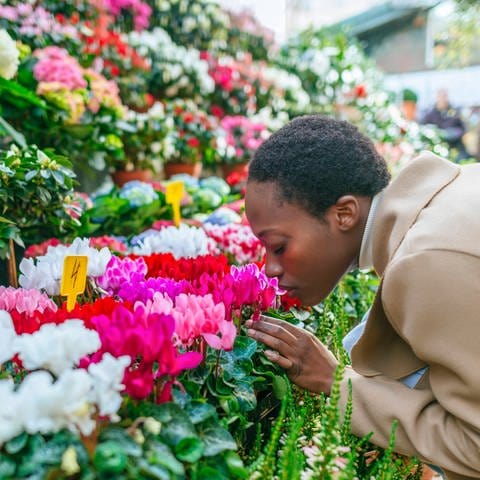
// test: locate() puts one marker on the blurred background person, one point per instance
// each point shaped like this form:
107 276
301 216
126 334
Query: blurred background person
448 119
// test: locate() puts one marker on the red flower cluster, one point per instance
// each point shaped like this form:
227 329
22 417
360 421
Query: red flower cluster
167 266
118 57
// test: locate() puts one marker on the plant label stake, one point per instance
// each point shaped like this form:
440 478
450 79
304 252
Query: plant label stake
74 278
174 195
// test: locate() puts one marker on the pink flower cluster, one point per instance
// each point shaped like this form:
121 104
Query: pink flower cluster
244 135
141 11
237 242
25 301
147 338
120 271
55 65
33 22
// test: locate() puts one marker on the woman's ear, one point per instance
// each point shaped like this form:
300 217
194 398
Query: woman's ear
345 214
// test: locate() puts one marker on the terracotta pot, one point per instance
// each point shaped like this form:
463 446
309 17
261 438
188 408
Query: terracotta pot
409 109
228 169
193 169
121 177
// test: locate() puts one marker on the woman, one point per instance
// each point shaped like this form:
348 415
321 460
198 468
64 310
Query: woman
319 198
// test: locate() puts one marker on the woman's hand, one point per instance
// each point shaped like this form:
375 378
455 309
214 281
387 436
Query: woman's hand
307 362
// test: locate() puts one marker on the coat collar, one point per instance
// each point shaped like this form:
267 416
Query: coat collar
404 199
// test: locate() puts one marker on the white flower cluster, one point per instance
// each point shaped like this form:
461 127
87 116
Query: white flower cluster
45 272
9 56
181 242
179 65
43 404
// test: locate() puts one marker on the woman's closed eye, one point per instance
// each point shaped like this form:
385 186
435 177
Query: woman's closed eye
279 250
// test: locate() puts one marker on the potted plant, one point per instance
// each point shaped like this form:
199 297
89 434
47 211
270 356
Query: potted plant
409 104
240 137
192 141
36 195
142 142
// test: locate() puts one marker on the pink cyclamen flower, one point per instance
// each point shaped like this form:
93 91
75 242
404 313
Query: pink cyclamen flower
25 300
199 316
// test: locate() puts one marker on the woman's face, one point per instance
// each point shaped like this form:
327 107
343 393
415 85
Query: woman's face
307 255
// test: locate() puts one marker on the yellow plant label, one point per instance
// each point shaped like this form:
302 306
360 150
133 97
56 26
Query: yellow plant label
174 195
74 278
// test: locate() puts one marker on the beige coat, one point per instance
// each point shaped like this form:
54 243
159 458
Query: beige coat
426 249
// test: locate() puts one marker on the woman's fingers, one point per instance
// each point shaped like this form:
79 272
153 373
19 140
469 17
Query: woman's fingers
280 360
273 328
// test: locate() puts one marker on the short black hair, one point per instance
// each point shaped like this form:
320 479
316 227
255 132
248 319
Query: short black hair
315 160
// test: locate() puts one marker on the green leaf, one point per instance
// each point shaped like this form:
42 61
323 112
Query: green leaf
216 439
16 90
7 467
109 457
199 411
123 439
18 138
235 465
210 473
244 348
245 396
16 444
157 472
279 386
160 454
189 449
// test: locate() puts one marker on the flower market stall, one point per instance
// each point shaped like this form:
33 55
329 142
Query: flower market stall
146 370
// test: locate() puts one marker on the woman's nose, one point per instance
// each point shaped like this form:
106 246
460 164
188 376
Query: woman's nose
272 267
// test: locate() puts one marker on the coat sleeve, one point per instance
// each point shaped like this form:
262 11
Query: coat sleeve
432 299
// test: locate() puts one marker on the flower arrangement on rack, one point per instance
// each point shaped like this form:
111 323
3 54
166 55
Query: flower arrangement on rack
177 71
192 139
241 138
142 136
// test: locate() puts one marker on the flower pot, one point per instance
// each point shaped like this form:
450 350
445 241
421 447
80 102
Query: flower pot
121 177
228 169
409 109
193 169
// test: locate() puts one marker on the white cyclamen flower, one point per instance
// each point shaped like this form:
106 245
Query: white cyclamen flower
57 347
107 377
7 337
181 242
45 272
10 416
9 56
48 407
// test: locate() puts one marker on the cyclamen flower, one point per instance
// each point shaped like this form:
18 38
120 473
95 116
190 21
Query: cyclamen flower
144 291
7 338
198 316
141 11
120 271
183 241
24 300
45 272
56 347
147 338
112 243
42 405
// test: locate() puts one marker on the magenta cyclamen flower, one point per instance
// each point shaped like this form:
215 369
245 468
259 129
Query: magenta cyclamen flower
147 338
143 291
121 271
25 300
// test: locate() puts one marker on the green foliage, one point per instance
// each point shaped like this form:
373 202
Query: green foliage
36 188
